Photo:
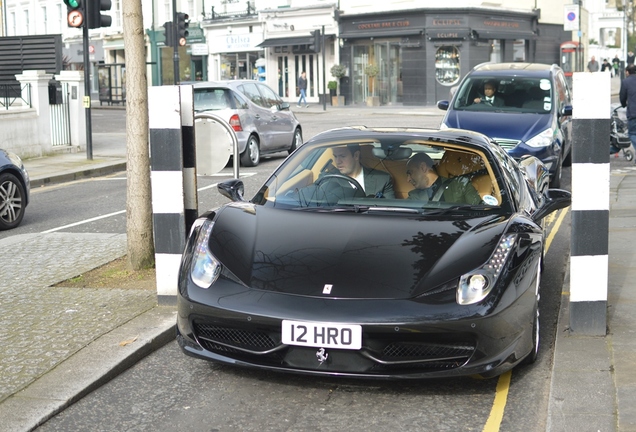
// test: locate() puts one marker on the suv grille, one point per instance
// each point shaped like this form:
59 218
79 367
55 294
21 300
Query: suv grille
506 144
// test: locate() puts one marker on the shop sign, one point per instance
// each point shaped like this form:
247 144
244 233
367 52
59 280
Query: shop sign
195 35
199 49
383 24
448 33
235 43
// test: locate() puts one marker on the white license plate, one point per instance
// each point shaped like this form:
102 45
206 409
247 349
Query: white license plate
322 335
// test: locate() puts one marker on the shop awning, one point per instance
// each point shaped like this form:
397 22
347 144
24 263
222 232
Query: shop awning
499 34
379 33
303 40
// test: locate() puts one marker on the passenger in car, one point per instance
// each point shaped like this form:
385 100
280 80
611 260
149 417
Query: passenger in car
429 186
376 183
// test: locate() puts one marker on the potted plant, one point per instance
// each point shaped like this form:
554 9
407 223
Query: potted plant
333 87
338 71
372 71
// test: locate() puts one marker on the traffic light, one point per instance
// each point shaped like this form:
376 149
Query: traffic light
95 19
314 41
168 34
183 22
75 16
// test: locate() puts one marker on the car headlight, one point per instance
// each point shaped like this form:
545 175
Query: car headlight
544 139
476 285
205 268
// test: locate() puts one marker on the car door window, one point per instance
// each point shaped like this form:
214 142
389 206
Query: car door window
240 101
269 97
251 91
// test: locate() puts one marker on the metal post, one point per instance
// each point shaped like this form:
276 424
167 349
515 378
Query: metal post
175 35
87 90
324 70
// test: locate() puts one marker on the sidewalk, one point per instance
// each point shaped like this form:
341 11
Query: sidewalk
59 344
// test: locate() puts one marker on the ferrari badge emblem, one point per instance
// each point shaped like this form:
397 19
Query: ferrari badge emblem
321 355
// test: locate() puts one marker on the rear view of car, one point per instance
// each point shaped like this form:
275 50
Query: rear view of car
262 121
532 115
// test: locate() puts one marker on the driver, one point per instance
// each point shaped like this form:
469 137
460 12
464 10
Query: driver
375 183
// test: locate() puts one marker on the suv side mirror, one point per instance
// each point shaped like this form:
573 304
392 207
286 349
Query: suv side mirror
566 110
443 105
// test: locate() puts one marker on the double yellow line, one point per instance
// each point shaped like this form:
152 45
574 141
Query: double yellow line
503 383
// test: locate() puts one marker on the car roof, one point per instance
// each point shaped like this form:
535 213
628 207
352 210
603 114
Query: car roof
518 69
220 83
400 135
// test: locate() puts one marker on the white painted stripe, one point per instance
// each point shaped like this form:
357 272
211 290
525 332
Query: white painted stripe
592 95
164 107
189 187
187 105
85 221
167 271
590 186
167 191
588 278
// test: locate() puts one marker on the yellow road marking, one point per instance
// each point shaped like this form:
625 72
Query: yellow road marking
499 404
503 383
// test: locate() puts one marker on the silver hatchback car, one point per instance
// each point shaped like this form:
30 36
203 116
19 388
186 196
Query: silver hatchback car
262 121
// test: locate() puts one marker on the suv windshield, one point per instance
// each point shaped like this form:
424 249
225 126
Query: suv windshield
505 94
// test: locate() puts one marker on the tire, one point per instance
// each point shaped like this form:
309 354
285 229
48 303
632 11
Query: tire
555 181
628 154
252 154
12 201
534 354
297 141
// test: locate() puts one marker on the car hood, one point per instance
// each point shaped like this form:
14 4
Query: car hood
350 255
514 126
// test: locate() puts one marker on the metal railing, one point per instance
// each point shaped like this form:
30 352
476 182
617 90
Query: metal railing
11 94
248 12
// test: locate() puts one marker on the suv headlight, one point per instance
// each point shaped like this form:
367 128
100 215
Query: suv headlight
544 139
476 285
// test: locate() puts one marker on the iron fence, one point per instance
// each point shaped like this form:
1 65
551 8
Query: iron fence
12 94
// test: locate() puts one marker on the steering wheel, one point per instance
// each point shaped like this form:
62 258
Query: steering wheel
339 180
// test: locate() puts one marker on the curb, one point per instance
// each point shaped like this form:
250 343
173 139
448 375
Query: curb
88 369
98 170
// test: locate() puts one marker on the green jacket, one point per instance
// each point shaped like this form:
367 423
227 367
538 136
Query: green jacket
456 190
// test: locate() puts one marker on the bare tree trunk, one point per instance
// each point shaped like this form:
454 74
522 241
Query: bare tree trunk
141 253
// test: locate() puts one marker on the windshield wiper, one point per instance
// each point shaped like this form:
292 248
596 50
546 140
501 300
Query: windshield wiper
463 207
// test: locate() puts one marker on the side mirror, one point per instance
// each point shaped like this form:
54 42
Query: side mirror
443 105
283 106
232 189
555 199
567 110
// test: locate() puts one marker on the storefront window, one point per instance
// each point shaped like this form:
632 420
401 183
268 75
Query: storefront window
447 65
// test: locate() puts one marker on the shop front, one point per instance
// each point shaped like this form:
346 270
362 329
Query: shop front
416 57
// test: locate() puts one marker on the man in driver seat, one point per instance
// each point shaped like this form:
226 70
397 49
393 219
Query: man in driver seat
429 186
375 183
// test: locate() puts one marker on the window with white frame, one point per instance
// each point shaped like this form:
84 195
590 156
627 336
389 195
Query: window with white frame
27 22
44 24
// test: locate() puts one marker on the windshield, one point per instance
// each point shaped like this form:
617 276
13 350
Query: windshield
410 176
505 94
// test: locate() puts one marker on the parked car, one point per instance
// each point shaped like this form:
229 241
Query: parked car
534 119
14 190
262 121
314 275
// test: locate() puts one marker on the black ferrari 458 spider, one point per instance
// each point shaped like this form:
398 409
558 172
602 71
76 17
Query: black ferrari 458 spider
375 253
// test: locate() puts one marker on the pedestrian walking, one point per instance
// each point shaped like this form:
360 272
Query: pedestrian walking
616 63
593 65
302 87
627 97
630 58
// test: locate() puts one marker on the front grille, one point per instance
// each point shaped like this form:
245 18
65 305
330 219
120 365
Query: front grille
425 351
378 355
506 144
246 339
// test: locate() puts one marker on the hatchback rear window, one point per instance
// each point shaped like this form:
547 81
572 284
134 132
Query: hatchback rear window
212 99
